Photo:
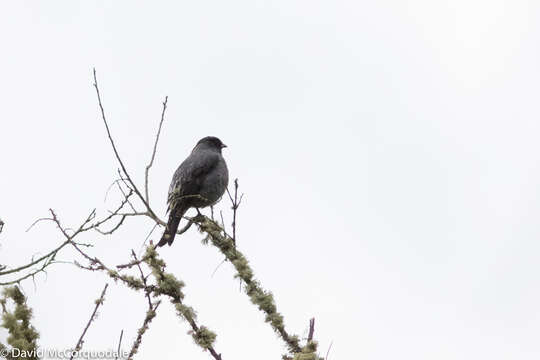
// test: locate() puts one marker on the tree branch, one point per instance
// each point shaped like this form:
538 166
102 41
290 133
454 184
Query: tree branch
235 204
119 345
260 297
52 253
311 329
147 170
99 302
167 284
150 315
133 186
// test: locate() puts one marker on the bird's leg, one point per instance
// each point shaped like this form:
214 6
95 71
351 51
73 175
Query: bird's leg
199 215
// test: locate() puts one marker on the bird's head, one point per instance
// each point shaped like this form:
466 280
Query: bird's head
210 143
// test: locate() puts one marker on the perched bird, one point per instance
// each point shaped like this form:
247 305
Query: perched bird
199 181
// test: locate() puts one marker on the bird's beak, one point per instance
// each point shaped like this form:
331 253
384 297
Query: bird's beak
223 146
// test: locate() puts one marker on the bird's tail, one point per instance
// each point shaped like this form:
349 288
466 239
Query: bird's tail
172 227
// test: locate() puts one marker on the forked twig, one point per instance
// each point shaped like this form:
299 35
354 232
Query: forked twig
235 204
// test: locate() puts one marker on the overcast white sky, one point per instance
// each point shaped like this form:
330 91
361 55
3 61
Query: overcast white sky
388 151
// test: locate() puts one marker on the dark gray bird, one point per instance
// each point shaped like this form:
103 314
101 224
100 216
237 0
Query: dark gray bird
199 181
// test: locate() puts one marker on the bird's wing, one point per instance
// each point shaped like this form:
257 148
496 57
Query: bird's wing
189 176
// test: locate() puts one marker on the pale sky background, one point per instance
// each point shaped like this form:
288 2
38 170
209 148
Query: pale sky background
388 151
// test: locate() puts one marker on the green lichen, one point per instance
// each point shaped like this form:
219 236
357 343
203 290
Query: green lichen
186 312
22 335
168 284
204 337
258 296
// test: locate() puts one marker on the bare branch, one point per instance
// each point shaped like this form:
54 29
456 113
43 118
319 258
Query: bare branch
235 204
147 170
148 236
114 228
328 352
119 344
46 256
115 212
124 170
33 273
49 258
217 267
135 214
124 181
223 223
36 222
115 182
311 329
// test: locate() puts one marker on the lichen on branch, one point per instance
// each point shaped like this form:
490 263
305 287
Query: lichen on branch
22 335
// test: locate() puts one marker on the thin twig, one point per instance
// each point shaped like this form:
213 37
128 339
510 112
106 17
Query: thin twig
147 237
124 170
150 315
143 278
235 204
217 267
115 212
147 170
119 345
49 257
52 253
113 229
328 352
134 214
92 318
110 187
32 274
223 223
311 329
131 264
124 181
36 222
